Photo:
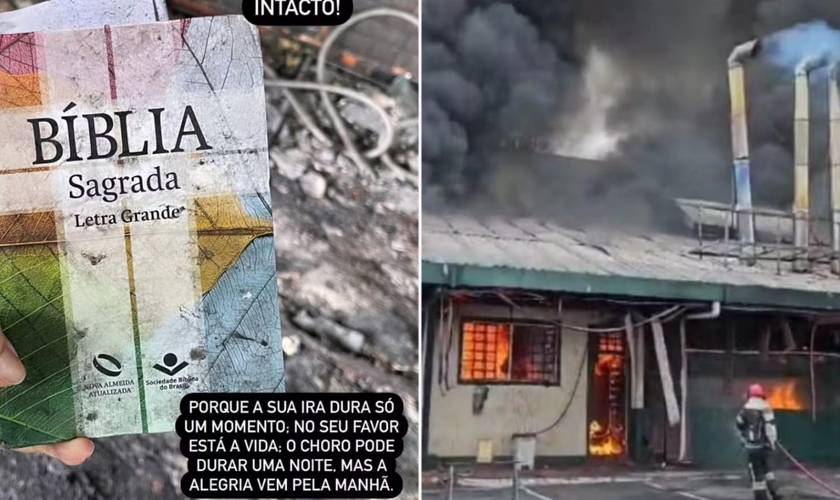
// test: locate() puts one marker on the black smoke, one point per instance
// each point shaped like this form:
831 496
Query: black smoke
488 69
499 71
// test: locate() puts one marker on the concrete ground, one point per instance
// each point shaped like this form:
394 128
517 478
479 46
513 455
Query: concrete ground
663 486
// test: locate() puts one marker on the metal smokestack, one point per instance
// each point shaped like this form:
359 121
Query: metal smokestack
834 116
740 142
801 133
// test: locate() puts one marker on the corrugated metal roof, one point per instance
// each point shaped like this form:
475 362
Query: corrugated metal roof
537 246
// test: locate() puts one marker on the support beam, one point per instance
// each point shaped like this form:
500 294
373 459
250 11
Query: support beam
631 349
671 406
638 389
683 393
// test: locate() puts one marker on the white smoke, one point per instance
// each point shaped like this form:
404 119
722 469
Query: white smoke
586 131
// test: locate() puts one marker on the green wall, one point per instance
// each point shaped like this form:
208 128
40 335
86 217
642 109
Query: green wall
718 385
715 444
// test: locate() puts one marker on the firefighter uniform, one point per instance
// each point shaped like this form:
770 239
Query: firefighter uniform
757 426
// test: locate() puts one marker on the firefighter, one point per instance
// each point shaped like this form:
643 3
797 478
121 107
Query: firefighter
757 427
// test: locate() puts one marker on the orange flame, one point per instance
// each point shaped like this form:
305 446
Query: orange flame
502 352
603 442
486 351
607 363
783 396
607 440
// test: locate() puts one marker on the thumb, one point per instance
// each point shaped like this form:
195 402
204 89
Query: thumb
12 371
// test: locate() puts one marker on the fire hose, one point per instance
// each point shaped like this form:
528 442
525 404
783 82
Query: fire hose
801 467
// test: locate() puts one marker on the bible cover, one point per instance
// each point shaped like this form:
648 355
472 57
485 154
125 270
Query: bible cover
136 244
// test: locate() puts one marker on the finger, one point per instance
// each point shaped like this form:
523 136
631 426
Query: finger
73 452
12 371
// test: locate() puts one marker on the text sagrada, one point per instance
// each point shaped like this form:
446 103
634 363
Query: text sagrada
55 142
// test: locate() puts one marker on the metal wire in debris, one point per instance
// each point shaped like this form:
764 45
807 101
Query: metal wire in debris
386 138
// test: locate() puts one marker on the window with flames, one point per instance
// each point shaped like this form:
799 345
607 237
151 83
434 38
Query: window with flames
504 352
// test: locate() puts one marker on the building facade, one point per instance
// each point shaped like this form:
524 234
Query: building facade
617 347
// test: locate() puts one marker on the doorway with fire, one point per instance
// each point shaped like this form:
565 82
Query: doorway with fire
608 401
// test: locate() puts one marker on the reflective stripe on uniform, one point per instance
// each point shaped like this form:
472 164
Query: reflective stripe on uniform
759 486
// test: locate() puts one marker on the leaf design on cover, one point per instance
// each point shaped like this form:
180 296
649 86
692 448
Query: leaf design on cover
225 229
20 82
32 316
241 326
234 238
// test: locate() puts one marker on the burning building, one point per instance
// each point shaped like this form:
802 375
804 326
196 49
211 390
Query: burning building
613 344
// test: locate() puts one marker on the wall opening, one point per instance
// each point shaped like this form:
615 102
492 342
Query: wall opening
607 429
509 352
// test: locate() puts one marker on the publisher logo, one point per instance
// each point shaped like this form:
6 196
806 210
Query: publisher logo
107 365
170 365
297 12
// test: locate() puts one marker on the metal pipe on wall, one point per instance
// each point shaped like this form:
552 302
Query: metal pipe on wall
713 313
801 133
834 114
740 140
639 384
631 350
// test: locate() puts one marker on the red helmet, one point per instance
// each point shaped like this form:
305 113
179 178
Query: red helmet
756 391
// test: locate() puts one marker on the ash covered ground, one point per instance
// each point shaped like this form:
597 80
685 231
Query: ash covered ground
347 250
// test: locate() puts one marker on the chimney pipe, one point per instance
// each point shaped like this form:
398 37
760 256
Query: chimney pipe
801 132
740 141
834 148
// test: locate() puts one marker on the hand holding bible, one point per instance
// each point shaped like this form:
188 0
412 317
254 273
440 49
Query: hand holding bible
12 372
